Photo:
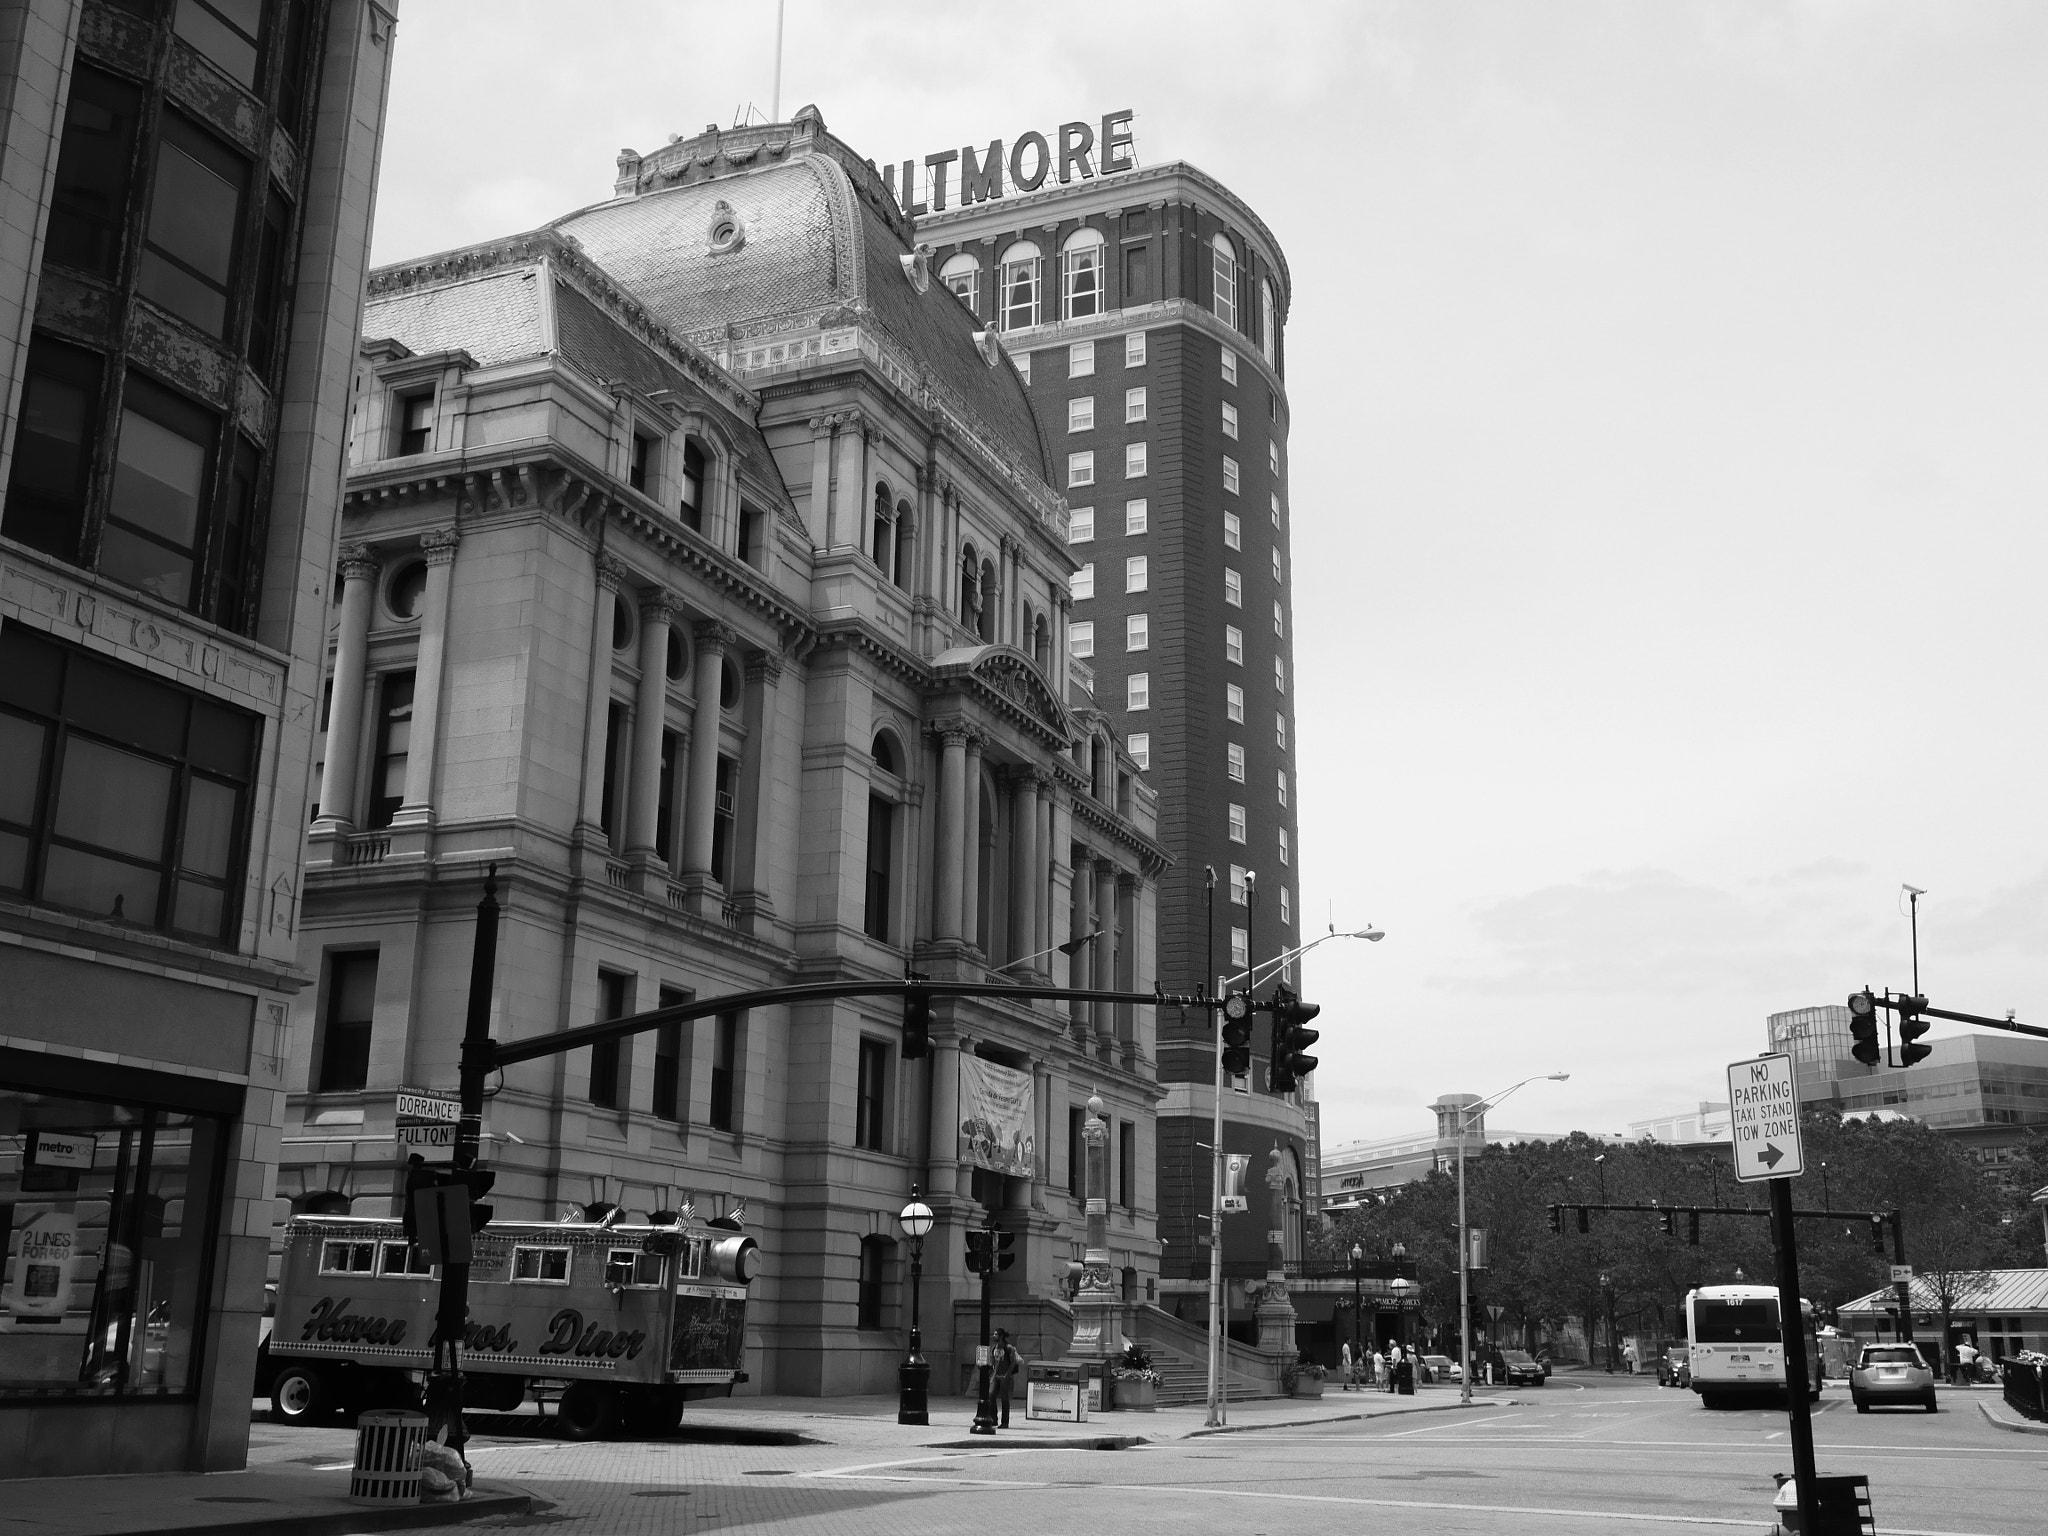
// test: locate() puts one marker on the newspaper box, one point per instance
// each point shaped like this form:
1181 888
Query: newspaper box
1055 1389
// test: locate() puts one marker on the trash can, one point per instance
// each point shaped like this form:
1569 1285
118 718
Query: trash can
1055 1389
388 1446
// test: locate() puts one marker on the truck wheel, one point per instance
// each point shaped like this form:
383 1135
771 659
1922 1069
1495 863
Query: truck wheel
299 1394
587 1411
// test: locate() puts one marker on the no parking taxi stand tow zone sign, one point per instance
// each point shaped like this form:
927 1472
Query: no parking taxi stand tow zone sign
1763 1105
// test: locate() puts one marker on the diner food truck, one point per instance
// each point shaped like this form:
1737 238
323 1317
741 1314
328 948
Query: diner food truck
625 1322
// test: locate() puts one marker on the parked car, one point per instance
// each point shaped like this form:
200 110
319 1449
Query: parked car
1522 1369
1544 1361
1674 1367
1441 1368
1891 1373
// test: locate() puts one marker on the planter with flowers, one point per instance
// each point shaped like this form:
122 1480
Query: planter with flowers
1134 1384
1304 1378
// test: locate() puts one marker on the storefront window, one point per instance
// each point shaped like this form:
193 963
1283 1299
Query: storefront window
109 1215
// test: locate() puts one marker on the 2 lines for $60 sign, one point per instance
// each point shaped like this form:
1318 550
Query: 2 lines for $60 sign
1763 1104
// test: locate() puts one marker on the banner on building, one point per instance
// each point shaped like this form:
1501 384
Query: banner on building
996 1118
1236 1168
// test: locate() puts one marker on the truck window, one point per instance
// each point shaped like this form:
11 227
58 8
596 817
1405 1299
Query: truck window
690 1262
646 1267
544 1266
404 1259
348 1258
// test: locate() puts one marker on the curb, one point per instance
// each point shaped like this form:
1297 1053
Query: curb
497 1500
2014 1426
1346 1418
1069 1443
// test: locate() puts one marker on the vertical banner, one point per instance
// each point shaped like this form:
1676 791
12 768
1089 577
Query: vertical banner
1236 1166
996 1118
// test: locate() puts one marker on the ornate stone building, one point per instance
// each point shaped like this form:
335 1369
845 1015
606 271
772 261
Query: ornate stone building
701 570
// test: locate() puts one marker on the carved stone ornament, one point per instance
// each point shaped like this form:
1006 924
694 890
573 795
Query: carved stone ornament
657 605
611 571
714 638
358 562
764 667
439 545
917 266
990 346
1019 681
727 232
1096 1277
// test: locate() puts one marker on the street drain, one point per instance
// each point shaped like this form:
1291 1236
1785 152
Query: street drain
664 1493
776 1473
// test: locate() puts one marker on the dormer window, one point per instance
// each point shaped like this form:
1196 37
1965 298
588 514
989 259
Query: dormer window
415 423
642 466
693 486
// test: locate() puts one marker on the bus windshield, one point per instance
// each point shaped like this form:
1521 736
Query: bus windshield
1734 1322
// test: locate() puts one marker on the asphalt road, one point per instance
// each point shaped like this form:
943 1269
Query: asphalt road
1594 1454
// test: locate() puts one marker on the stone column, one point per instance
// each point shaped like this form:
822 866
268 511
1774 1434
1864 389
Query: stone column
1024 868
611 573
345 709
1041 1129
753 858
945 1127
1127 963
1105 956
1062 672
1275 1312
819 512
848 509
970 845
1083 962
418 809
946 852
1041 871
1059 903
700 802
1098 1308
650 712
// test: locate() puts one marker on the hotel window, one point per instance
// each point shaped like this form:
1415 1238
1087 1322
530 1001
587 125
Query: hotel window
1279 674
1229 419
690 506
1233 588
1081 274
870 1128
1240 950
1233 531
1240 896
1134 350
1229 366
1233 702
1139 745
1134 516
1137 632
1019 291
1138 691
1081 584
1280 731
1283 786
1279 620
1286 906
1136 578
1081 468
1283 845
1269 320
1080 525
1237 823
1134 405
1233 645
881 854
614 1001
727 1054
1233 756
1134 461
121 796
345 1030
1272 456
1081 639
1081 360
1277 578
416 430
1081 414
962 276
1230 477
1223 283
1276 508
671 1063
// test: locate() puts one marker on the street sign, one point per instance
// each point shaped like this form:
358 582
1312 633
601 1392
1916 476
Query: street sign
1902 1274
427 1109
1763 1104
414 1137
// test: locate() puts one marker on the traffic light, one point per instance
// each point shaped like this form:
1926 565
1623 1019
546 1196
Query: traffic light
1557 1218
917 1022
1005 1243
1863 1026
1585 1223
1911 1028
1877 1234
418 1176
1237 1034
977 1251
1291 1039
1692 1228
479 1181
1667 1223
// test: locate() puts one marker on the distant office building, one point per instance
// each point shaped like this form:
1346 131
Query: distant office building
1706 1125
186 195
1357 1170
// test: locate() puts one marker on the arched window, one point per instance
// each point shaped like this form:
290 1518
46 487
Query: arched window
1082 274
970 587
1269 321
694 465
884 540
1041 643
1018 296
886 756
902 566
962 275
875 1256
985 613
1224 286
876 920
1098 768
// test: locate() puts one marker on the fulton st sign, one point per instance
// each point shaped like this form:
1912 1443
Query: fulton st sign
1076 151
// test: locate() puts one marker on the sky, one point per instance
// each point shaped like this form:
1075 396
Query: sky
1667 464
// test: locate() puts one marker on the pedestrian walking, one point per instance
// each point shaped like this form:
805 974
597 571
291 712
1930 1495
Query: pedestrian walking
1005 1362
1628 1356
1344 1364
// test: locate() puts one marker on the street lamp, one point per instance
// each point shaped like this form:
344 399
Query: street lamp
1464 1239
1357 1306
1607 1295
913 1376
1071 948
1400 1285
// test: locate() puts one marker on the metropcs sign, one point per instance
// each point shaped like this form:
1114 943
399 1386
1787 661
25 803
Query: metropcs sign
1083 154
1763 1107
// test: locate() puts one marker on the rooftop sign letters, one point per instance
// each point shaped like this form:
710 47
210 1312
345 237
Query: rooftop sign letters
1083 153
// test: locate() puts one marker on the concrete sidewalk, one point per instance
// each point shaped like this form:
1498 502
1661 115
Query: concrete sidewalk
262 1501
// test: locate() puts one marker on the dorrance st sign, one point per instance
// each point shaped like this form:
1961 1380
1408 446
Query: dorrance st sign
1763 1105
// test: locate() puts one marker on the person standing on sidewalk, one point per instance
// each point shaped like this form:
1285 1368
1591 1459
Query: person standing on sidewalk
1005 1363
1344 1364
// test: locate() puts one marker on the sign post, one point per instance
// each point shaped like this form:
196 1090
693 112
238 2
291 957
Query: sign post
1763 1103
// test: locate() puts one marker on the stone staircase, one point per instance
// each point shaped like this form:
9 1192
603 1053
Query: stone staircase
1180 1355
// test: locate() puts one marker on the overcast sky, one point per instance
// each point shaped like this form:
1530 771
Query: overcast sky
1667 463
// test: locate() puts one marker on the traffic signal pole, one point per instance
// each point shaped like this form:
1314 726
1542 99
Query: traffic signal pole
1791 1331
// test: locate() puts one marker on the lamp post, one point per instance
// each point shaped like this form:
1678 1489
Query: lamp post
1400 1285
913 1376
1357 1305
1607 1298
1464 1238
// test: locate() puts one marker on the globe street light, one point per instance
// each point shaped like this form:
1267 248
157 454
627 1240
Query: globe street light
913 1376
1464 1238
1357 1307
1401 1285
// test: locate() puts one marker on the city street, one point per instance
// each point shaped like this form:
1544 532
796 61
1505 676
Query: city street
1585 1452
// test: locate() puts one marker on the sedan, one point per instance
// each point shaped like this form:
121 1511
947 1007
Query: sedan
1441 1368
1523 1370
1674 1368
1891 1373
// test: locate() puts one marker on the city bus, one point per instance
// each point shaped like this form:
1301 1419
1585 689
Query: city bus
1738 1350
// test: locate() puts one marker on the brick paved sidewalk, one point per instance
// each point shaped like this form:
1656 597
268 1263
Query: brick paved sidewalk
262 1501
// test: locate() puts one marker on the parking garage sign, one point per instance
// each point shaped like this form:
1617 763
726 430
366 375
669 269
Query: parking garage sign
1763 1105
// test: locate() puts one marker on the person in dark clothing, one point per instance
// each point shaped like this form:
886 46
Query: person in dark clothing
1004 1360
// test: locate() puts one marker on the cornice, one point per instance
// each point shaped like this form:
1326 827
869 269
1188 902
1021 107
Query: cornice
1144 317
1153 857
